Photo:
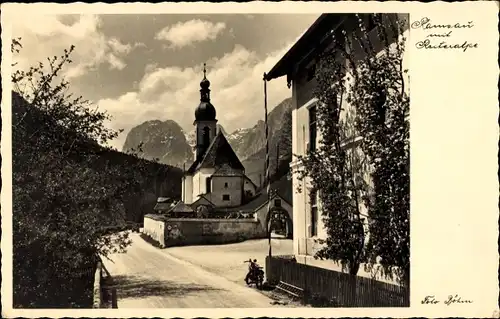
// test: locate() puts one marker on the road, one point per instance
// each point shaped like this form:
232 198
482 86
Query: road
149 277
227 260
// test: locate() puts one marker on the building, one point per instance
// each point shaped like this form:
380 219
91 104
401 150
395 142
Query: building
215 184
216 175
298 65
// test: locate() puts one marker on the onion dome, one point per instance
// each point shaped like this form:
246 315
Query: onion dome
205 110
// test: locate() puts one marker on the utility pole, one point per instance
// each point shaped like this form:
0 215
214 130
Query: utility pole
277 157
184 182
267 179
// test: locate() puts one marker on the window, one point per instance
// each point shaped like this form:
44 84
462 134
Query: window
277 202
225 185
314 216
209 185
206 136
312 128
311 72
225 197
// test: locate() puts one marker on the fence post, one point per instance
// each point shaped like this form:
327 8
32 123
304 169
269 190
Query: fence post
97 286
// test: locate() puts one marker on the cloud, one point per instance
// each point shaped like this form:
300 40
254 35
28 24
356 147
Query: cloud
173 93
187 33
92 47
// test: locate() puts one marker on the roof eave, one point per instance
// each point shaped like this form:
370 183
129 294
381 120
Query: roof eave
283 66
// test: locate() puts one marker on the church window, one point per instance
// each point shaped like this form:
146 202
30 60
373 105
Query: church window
209 185
225 185
225 197
277 202
206 136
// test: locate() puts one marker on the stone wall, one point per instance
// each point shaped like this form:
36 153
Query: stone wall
154 227
193 231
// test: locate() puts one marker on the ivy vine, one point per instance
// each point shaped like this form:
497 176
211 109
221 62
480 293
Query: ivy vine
363 189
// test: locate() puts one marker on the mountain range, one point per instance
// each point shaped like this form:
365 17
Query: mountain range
169 144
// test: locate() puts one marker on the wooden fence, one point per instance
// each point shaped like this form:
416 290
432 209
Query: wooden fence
340 289
97 291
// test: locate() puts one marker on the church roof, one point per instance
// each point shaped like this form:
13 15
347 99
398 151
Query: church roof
202 199
218 153
162 206
180 207
226 170
282 188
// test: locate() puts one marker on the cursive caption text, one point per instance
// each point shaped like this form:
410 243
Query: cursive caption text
451 299
439 36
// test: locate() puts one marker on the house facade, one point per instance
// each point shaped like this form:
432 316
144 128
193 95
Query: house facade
298 65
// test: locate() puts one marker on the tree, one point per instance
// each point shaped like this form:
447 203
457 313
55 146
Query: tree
327 169
66 194
363 97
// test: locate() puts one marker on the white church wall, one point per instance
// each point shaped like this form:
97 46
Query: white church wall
249 186
226 191
187 189
199 181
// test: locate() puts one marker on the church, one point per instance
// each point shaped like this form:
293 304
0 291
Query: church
215 184
217 176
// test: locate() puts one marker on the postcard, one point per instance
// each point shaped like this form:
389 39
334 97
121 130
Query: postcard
258 159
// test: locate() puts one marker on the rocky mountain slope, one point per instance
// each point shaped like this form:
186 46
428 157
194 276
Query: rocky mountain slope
248 142
167 142
251 145
164 141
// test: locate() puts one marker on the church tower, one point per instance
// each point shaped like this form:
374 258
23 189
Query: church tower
205 122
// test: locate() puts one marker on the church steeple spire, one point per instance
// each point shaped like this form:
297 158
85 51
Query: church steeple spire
205 121
205 86
205 111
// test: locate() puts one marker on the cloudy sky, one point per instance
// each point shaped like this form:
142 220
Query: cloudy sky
145 67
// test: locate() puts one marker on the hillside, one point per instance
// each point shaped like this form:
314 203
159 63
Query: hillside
152 179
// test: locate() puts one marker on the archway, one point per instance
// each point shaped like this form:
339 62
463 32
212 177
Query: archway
279 222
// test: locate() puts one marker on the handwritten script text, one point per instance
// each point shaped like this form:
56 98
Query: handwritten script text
451 299
438 36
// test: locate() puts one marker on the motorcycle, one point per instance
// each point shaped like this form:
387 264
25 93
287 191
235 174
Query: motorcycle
255 274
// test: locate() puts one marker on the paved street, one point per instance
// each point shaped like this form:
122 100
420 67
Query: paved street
148 277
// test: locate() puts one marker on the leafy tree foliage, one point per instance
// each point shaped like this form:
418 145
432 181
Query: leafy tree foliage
67 196
363 190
